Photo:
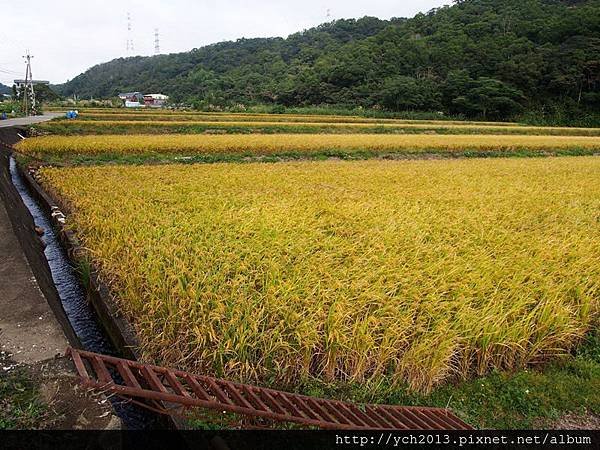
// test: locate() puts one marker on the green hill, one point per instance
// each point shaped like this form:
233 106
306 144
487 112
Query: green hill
478 58
5 89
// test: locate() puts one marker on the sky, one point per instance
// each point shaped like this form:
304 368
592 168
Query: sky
68 37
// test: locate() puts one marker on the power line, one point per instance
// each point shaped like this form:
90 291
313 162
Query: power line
129 45
9 72
156 43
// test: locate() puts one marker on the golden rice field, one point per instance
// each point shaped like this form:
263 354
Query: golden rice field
161 114
254 123
303 144
400 271
253 117
462 128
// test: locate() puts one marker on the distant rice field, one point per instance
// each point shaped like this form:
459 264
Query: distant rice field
159 114
415 272
248 117
230 126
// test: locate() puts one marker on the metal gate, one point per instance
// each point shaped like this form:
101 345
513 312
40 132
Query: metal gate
171 391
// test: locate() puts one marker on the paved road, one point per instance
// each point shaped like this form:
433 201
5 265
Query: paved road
20 121
28 328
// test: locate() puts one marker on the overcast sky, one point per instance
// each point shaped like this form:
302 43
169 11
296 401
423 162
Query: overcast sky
68 37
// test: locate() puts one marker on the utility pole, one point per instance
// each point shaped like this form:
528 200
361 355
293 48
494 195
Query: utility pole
156 43
28 92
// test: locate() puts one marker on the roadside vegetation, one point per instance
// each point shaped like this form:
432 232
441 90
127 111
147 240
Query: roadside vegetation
20 403
11 108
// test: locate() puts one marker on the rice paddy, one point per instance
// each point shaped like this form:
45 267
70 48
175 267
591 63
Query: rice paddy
303 145
253 117
145 114
408 272
164 125
345 251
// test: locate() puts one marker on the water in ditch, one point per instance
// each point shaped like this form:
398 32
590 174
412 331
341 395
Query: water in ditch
80 313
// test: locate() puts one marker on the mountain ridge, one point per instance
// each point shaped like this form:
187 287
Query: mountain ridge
512 55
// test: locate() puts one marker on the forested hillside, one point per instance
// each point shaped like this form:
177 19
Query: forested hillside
5 89
478 58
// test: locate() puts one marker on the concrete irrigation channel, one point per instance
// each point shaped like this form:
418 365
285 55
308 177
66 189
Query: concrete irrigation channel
80 316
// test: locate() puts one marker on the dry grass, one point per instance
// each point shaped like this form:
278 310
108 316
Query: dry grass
256 144
414 272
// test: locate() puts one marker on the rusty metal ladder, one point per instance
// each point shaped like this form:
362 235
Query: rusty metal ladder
171 391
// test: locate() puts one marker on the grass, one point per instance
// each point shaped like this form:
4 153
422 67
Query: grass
20 404
526 399
65 147
372 272
155 158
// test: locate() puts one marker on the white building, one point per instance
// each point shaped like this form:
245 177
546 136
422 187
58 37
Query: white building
155 100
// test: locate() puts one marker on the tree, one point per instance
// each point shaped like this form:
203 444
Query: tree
43 93
408 93
457 83
489 98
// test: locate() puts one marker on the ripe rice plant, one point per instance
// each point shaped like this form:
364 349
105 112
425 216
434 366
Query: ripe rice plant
301 145
134 114
231 126
289 118
412 272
